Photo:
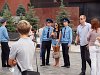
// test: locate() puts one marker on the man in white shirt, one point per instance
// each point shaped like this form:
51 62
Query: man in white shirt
82 31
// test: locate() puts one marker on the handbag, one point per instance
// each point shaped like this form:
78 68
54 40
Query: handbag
97 44
30 72
56 54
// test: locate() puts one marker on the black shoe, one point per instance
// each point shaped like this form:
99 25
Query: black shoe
48 64
8 66
68 66
4 65
63 66
42 65
82 73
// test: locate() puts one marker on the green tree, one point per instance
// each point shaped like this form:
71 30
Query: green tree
4 8
30 17
21 10
62 13
10 21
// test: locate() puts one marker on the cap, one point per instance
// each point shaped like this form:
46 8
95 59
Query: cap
2 20
49 20
65 20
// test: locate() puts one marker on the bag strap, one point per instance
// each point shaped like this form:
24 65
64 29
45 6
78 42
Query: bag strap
36 59
36 62
19 67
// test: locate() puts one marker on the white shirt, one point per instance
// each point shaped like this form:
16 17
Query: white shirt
82 31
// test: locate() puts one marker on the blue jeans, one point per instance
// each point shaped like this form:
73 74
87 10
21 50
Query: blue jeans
55 42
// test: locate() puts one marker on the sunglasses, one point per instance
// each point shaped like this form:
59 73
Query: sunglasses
81 18
56 25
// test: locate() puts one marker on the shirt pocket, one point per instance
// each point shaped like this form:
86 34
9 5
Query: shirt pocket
67 34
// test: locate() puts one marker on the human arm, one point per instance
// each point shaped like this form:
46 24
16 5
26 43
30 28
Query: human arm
60 35
12 61
70 35
88 36
5 33
77 37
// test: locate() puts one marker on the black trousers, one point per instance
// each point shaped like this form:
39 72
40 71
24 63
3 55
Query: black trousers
46 46
65 52
85 57
5 54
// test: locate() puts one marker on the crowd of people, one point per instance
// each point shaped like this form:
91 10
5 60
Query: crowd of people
22 52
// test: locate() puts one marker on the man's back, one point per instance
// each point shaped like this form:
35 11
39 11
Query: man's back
23 51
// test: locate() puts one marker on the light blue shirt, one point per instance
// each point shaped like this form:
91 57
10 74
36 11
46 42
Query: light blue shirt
82 31
68 35
44 33
3 34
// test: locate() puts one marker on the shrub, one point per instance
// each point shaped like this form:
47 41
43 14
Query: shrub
7 14
30 17
21 10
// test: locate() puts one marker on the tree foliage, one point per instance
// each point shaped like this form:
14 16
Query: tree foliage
21 10
62 13
7 14
4 8
30 17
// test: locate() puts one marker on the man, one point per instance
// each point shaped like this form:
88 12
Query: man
66 40
82 31
46 41
4 38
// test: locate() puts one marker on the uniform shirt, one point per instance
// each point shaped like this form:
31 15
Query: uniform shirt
82 31
23 51
3 34
68 35
45 32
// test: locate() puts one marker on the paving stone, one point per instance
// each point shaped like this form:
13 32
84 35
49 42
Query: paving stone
75 68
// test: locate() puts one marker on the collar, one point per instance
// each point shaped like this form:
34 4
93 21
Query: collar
84 24
66 26
3 26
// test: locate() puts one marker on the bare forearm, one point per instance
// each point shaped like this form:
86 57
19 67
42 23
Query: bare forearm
12 62
77 39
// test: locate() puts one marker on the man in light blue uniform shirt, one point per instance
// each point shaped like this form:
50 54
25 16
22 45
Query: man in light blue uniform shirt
66 40
46 41
4 38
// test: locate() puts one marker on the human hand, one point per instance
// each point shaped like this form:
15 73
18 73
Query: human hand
14 62
69 45
75 43
98 38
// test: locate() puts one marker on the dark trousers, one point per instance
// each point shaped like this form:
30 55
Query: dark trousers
5 54
85 56
65 52
46 46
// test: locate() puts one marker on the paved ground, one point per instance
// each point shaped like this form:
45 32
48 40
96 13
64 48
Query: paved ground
74 69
